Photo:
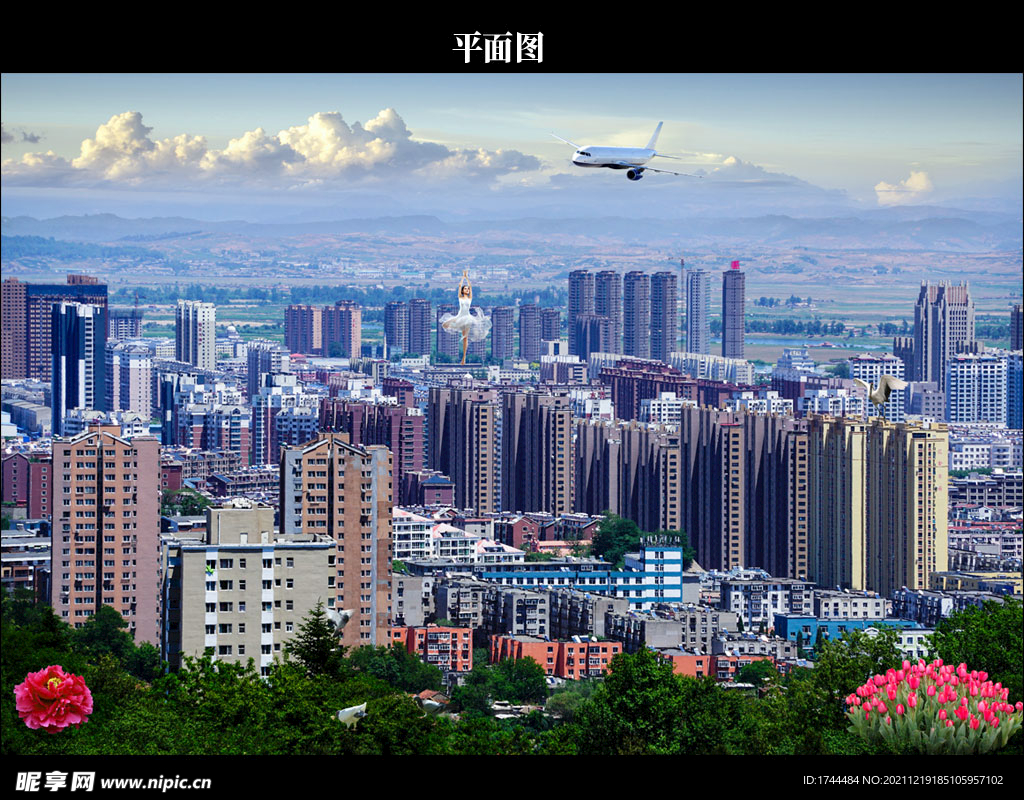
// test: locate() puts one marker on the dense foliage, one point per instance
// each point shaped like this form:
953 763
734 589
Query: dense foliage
213 707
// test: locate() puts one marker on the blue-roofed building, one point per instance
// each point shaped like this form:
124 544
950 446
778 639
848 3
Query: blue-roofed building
787 626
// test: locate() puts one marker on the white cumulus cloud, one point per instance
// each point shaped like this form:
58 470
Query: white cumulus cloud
906 191
325 151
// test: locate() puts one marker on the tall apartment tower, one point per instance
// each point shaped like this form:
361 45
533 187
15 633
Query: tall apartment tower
529 332
869 368
664 315
976 388
608 303
79 370
943 326
1017 327
124 323
550 324
536 453
396 326
636 315
698 310
419 327
195 333
581 301
303 329
26 321
263 357
878 503
343 329
502 332
629 469
129 378
463 443
106 537
594 334
744 501
448 344
332 488
733 309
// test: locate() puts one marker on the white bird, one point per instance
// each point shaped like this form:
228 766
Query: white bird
340 618
430 706
351 716
886 383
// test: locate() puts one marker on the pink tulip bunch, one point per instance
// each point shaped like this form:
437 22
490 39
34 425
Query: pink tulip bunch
934 708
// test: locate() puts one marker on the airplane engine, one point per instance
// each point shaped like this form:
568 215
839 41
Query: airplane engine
634 174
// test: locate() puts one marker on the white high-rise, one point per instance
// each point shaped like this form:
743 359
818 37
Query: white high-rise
976 388
195 333
869 368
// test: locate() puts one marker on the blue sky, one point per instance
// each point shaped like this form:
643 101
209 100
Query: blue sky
870 139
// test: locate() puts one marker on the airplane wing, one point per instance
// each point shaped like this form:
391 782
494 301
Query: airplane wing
566 141
670 172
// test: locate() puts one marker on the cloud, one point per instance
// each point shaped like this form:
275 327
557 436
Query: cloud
326 151
7 137
907 191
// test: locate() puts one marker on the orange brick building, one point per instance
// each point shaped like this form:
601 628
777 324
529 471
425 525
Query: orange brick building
720 667
448 649
570 660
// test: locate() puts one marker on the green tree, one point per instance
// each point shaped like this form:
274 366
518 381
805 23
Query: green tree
986 639
520 680
316 645
615 537
758 673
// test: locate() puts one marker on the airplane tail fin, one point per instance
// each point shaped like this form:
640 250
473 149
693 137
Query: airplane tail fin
654 138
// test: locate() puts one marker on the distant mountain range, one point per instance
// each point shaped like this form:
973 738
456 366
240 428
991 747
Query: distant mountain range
900 228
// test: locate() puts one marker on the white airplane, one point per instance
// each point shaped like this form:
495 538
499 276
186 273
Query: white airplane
632 159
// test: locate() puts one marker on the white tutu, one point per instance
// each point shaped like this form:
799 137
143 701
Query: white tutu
474 325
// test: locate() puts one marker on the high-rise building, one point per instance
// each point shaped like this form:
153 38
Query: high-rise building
330 487
399 428
343 329
129 378
419 327
536 452
79 371
698 312
105 538
280 393
550 325
464 444
581 301
870 368
608 303
263 357
396 326
878 503
529 332
631 470
303 329
502 333
26 321
449 343
195 333
976 387
1015 390
636 315
745 496
733 309
664 315
124 323
943 327
593 334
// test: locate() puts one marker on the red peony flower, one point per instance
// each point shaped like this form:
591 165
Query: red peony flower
53 699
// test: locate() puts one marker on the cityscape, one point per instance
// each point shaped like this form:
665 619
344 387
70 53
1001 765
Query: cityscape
402 476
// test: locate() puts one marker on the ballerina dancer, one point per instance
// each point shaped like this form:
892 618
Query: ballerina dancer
473 327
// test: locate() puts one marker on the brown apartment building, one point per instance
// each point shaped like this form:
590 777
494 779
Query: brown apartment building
106 528
330 487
